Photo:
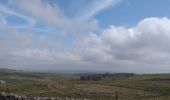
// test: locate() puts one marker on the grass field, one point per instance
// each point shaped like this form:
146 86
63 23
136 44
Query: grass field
138 87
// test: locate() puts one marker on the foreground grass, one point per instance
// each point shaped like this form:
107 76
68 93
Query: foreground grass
128 88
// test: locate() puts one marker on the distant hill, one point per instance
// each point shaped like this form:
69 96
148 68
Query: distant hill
17 73
11 73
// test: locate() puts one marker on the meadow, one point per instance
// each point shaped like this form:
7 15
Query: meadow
137 87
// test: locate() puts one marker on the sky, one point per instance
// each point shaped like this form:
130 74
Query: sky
85 35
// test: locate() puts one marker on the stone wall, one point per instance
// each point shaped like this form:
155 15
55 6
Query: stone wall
5 96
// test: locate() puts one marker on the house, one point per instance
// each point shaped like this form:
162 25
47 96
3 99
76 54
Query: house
94 77
2 82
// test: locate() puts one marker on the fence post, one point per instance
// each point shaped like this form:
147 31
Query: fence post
116 95
137 96
7 90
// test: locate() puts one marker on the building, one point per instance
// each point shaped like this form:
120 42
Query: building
2 82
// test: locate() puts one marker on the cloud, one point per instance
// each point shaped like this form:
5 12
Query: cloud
99 5
142 48
9 12
53 16
39 9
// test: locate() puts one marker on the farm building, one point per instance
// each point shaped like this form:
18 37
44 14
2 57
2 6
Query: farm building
2 82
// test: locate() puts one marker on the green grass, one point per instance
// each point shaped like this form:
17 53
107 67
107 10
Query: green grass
17 81
51 85
150 76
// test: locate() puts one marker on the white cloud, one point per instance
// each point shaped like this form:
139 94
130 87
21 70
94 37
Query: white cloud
52 15
41 10
155 25
99 5
143 48
116 35
8 12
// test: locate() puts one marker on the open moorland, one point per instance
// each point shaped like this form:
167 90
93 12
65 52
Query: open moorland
122 86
